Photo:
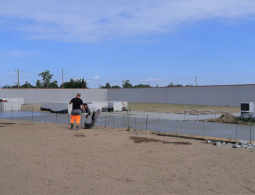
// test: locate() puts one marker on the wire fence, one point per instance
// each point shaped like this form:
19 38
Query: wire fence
135 122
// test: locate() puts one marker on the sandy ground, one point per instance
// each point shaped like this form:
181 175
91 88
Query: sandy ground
29 107
39 158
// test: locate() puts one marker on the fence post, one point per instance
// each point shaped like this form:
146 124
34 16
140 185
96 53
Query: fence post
177 124
32 114
236 132
197 115
68 118
250 133
203 129
135 123
12 111
56 117
158 124
105 122
146 122
113 121
81 118
123 122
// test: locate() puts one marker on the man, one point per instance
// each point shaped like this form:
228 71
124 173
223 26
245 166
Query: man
76 111
95 111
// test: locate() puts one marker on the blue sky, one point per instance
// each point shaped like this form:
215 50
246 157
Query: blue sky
149 42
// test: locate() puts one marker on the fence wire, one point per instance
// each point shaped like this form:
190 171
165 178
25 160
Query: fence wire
134 122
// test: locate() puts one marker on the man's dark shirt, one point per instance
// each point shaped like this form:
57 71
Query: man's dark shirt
77 102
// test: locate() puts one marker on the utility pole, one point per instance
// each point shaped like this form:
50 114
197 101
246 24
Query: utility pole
18 77
62 79
195 81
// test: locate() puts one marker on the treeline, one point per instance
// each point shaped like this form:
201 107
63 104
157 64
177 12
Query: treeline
127 84
47 82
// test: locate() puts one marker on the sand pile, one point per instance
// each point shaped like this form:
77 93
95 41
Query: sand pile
226 118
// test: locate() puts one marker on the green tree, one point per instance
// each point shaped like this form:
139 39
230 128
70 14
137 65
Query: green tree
81 83
7 86
174 85
115 86
38 84
107 85
126 84
53 84
141 86
78 83
27 85
46 76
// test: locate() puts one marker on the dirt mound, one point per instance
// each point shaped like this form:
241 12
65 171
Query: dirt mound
226 118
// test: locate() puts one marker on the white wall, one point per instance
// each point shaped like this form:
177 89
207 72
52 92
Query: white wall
201 95
44 95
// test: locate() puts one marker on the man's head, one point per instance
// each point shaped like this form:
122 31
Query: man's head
78 95
85 105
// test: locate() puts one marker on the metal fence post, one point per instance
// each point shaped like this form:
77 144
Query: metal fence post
203 129
113 121
146 122
56 117
123 122
32 114
105 122
197 115
81 118
68 118
12 111
236 132
177 124
135 123
250 133
158 124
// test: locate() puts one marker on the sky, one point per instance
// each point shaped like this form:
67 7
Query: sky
146 41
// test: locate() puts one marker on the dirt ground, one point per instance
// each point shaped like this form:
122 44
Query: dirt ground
29 107
176 108
44 158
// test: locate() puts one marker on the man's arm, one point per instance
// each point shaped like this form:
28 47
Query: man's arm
89 112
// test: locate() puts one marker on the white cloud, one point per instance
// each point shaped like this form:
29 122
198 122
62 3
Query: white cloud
96 77
152 80
12 72
94 20
18 53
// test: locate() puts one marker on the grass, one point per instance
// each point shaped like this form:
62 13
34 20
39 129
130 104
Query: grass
175 108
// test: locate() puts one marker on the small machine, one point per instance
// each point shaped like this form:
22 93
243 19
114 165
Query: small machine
248 109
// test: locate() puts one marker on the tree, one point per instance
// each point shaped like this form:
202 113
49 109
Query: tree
141 86
126 84
38 84
115 86
107 85
46 78
174 85
7 86
53 84
27 85
78 83
81 83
